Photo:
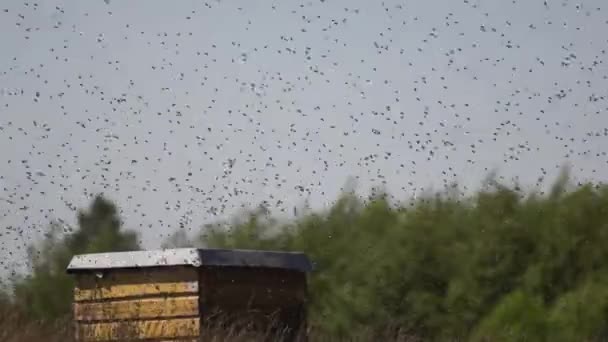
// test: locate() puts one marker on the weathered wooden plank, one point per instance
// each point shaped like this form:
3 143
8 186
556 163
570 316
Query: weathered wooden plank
116 291
154 329
137 309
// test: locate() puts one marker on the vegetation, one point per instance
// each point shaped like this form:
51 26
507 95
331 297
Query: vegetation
46 292
499 265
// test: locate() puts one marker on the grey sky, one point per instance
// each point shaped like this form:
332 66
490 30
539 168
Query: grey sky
130 97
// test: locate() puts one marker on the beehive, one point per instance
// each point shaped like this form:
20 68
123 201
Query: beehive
169 294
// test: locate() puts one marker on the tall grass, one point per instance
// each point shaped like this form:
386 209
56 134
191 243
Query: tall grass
17 327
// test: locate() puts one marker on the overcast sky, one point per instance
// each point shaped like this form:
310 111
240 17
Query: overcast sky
185 111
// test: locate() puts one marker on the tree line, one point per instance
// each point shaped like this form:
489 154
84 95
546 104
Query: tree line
497 265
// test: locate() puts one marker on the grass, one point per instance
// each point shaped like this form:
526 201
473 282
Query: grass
16 327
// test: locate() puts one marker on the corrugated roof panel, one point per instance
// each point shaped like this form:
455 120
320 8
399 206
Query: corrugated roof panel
167 257
191 257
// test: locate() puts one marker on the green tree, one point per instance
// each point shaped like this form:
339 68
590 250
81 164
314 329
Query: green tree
46 292
179 239
581 314
517 317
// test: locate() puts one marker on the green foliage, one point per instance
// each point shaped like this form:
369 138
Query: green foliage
581 314
46 293
499 264
179 239
517 317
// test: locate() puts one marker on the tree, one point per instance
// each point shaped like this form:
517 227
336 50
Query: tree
518 317
179 239
46 293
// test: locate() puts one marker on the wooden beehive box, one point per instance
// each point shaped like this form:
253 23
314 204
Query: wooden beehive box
172 294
